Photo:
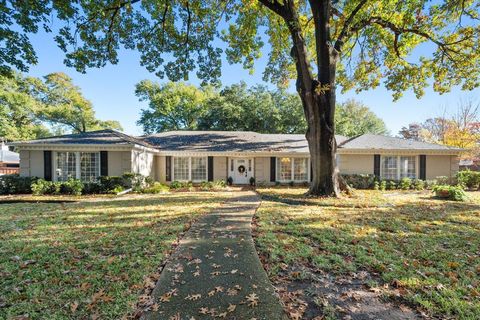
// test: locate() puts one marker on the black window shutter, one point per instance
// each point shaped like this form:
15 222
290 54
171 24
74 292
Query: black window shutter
376 165
423 167
210 168
168 168
273 169
104 163
47 165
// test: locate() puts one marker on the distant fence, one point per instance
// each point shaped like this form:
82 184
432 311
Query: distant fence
4 170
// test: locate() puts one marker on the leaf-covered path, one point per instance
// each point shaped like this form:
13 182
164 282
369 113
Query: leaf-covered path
215 271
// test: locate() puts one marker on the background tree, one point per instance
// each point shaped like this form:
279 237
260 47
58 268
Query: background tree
171 106
19 107
460 129
322 44
353 118
64 106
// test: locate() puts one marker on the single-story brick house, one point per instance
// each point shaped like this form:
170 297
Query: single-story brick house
211 155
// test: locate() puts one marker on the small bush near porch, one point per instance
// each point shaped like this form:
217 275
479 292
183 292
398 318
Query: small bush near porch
87 259
415 250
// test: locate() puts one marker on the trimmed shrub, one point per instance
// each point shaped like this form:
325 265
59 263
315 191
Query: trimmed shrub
454 193
418 184
156 187
14 184
252 181
92 188
469 179
109 183
359 181
72 187
42 187
391 185
181 185
405 183
383 185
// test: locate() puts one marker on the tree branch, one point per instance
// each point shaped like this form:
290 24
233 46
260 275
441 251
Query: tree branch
275 6
346 26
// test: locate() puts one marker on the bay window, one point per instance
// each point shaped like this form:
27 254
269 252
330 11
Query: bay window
190 169
84 166
292 169
398 167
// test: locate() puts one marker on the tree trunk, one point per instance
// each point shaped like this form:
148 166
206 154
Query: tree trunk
322 146
317 95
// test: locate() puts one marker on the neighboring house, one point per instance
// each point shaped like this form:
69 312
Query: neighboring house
9 161
211 155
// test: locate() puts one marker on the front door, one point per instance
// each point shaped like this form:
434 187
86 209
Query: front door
241 170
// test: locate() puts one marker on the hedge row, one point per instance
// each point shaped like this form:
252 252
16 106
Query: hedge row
14 184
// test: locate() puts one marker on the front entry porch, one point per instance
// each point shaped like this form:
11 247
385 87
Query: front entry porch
241 169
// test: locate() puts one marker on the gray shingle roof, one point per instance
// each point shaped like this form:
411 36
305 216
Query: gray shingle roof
229 141
378 142
234 141
107 136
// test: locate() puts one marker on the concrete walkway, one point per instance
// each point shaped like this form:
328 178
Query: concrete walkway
215 272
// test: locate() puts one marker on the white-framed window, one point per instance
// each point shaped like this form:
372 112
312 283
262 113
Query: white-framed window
190 169
84 166
66 166
300 169
408 167
398 167
181 168
292 169
284 169
199 169
89 166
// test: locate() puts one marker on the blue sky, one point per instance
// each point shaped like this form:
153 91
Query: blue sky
111 89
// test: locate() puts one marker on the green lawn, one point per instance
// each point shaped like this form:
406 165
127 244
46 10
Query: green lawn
88 259
426 248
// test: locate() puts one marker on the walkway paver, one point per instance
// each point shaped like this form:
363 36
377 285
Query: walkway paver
215 271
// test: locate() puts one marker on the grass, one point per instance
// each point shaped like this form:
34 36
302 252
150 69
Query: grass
87 259
428 248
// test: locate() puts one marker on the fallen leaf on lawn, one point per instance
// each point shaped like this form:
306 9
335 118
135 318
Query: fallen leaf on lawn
222 315
234 271
176 317
74 306
203 310
193 297
252 300
211 293
231 307
219 289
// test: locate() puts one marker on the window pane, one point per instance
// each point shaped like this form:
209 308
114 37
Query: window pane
199 169
180 169
66 164
407 167
89 166
300 169
389 167
284 169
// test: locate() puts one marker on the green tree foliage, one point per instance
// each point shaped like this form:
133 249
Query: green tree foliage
352 118
258 109
31 108
171 106
325 44
18 108
178 106
65 106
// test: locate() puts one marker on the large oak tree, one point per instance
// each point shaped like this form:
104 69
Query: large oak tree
320 43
